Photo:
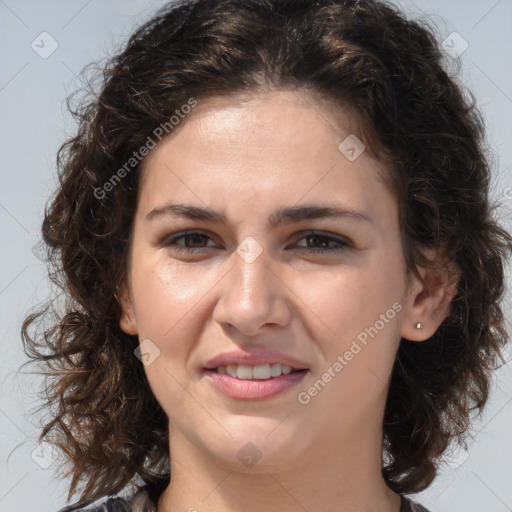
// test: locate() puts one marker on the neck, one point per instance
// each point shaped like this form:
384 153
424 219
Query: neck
348 481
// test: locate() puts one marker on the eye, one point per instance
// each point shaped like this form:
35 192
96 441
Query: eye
189 241
322 243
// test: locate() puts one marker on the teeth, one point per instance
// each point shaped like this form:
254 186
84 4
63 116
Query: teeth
244 372
231 370
261 371
275 370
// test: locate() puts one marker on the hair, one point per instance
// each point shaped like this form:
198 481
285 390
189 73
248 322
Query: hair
361 54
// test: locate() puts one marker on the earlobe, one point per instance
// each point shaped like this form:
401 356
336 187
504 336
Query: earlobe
127 321
428 302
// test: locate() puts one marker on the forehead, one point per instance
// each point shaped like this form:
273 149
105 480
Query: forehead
265 118
279 143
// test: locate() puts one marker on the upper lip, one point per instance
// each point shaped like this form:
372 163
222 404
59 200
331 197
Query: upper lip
262 356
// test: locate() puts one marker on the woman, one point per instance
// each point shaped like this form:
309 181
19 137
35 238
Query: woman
282 271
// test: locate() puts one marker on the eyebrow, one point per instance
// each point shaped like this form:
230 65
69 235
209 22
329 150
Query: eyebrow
287 215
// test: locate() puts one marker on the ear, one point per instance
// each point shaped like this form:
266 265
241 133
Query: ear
128 321
428 299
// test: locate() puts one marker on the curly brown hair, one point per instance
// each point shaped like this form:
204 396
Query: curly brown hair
361 53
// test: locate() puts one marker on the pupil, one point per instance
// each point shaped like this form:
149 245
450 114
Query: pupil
195 239
322 241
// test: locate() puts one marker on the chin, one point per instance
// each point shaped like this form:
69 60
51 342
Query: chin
255 448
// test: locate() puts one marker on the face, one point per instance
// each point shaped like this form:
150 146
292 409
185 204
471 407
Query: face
267 281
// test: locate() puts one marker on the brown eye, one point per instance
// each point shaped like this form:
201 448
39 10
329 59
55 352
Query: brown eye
188 241
322 243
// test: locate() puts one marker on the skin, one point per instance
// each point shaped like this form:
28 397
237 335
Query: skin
246 158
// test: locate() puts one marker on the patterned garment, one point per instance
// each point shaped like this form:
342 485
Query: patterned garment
145 499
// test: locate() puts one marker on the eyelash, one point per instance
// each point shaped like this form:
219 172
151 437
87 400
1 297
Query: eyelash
170 242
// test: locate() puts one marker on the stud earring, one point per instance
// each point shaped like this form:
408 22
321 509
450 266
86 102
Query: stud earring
419 325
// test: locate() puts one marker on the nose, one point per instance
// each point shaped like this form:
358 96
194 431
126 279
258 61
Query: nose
253 296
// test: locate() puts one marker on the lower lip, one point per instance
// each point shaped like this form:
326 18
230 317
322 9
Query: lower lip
254 389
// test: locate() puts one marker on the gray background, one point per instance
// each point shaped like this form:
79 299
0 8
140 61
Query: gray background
34 123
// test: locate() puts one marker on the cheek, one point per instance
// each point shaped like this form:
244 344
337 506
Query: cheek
360 323
167 293
360 312
168 302
336 299
348 300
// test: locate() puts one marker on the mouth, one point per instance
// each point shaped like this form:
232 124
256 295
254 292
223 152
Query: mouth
245 382
256 375
257 372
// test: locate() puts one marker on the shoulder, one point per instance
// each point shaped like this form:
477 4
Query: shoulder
110 505
410 506
141 501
